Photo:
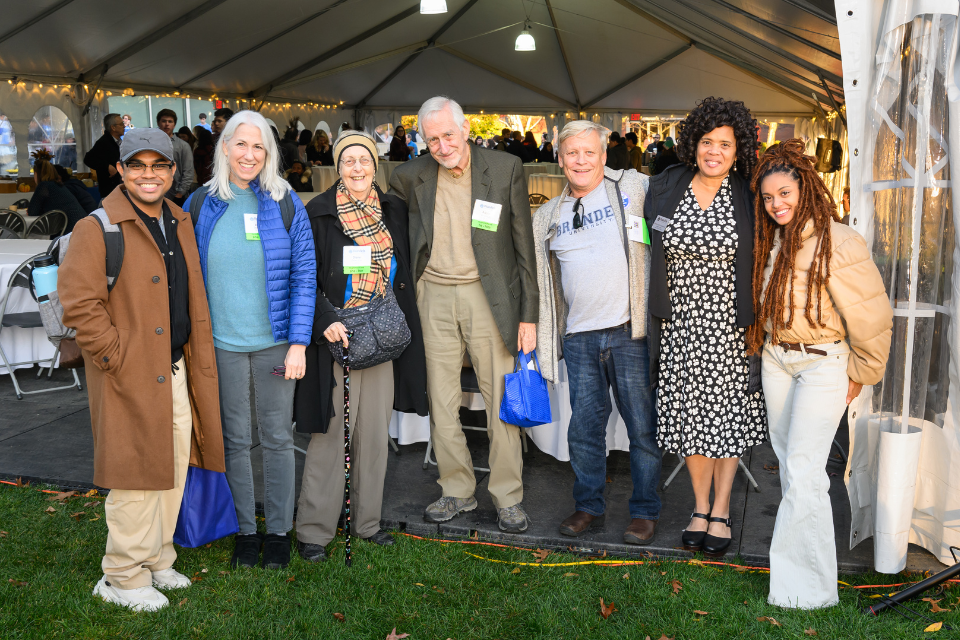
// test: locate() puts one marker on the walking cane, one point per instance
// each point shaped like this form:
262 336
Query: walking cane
346 447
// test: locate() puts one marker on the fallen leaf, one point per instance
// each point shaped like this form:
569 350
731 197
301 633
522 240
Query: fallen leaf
609 479
516 571
664 637
76 516
934 627
570 575
701 613
772 621
95 517
21 483
394 636
369 566
663 573
62 496
224 573
50 510
91 493
676 585
935 608
740 569
208 545
419 584
182 602
3 534
340 617
772 468
91 504
541 554
204 570
17 583
290 579
474 535
626 576
809 632
696 563
606 610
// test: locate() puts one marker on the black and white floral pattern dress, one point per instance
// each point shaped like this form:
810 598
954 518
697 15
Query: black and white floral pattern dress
702 400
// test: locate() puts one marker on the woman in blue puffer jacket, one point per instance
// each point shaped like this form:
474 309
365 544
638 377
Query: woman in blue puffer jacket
260 274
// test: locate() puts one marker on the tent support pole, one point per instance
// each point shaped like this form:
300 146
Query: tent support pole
833 101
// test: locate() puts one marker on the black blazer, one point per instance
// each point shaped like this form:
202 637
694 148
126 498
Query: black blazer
663 197
314 401
105 153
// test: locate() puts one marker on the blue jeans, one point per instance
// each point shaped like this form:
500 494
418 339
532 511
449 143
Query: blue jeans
596 362
274 406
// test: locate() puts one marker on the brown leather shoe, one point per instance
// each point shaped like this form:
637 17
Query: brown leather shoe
640 531
578 524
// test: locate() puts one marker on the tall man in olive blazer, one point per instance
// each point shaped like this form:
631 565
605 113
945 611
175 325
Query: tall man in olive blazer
471 243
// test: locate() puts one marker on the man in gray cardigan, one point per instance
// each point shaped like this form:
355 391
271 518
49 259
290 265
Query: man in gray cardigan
593 261
471 246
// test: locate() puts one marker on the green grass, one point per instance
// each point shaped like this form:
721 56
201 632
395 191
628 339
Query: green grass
458 596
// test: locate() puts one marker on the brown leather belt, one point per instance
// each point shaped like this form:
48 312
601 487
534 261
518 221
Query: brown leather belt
796 346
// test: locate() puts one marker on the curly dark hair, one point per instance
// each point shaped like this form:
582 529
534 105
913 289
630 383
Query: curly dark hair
711 113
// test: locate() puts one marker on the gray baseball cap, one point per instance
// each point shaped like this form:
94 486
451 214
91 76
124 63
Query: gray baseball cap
145 139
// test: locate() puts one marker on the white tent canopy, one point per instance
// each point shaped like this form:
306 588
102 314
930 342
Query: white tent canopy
374 59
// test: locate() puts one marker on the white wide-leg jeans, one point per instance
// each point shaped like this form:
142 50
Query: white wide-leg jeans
806 396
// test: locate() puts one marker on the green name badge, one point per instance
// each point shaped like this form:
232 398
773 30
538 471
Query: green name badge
250 229
356 259
637 229
486 215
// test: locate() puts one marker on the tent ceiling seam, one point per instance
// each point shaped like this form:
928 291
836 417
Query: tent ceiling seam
563 53
778 29
665 59
34 20
507 76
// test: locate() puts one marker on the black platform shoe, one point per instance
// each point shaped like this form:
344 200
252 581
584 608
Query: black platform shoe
714 546
693 540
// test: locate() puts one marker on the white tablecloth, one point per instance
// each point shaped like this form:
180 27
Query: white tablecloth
21 344
531 168
550 438
324 178
384 171
7 199
546 184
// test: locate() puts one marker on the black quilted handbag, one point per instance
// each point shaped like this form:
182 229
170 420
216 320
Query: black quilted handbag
380 332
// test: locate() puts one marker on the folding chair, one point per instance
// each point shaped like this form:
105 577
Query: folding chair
6 233
52 223
26 320
743 467
13 222
469 384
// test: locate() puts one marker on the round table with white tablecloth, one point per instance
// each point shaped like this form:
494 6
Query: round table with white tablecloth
550 438
546 184
21 345
531 168
324 178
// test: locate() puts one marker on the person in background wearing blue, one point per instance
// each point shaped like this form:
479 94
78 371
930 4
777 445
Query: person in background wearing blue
261 284
203 122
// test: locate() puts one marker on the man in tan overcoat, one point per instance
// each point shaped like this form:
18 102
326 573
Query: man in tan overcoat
151 375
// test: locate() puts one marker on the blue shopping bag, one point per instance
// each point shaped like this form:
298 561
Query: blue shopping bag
206 512
526 401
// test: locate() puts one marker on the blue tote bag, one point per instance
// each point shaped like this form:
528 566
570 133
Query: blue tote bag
206 512
526 401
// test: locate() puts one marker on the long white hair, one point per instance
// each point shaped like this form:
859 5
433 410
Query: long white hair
270 179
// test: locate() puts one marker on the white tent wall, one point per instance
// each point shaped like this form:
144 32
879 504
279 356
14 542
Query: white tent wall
903 202
19 103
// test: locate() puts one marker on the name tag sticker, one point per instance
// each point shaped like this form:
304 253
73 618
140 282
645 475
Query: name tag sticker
486 215
356 259
637 229
250 226
661 223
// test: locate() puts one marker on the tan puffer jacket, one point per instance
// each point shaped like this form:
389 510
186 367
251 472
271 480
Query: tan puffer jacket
857 307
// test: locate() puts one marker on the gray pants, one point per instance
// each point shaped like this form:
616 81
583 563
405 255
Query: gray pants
321 490
274 406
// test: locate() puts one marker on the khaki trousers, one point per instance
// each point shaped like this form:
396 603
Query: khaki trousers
457 318
140 524
321 490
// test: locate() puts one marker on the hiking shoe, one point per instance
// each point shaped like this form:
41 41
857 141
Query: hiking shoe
512 519
276 551
447 507
246 550
139 599
170 579
312 552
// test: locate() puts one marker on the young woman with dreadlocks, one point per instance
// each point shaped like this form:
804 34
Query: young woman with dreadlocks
823 325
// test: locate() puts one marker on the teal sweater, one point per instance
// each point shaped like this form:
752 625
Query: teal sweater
237 281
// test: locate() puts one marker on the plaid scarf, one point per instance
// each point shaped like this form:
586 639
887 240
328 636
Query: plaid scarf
363 223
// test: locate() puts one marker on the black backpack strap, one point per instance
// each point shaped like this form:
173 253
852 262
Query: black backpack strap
196 203
287 210
113 241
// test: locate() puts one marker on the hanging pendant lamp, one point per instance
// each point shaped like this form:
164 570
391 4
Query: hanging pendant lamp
433 6
525 41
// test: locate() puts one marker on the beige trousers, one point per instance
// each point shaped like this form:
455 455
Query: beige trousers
321 490
140 524
457 318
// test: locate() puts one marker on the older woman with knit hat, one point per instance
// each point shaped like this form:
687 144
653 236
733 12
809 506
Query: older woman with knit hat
354 212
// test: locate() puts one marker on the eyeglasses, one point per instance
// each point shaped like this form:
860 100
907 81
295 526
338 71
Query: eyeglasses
138 168
448 137
349 162
577 215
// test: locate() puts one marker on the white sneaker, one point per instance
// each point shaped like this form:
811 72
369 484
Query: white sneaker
139 599
170 579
